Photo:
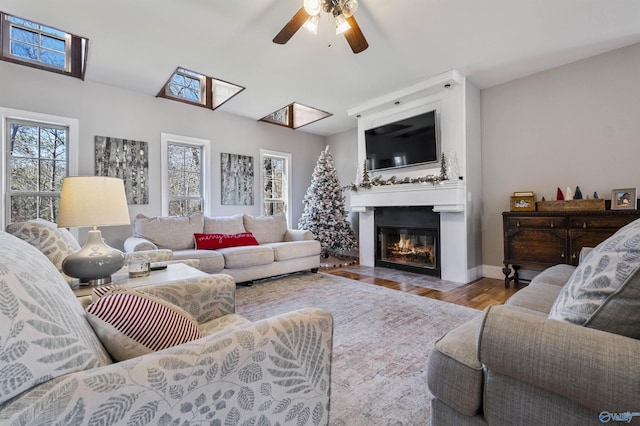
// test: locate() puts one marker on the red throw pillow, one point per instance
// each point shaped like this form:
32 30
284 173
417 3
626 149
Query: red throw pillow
217 241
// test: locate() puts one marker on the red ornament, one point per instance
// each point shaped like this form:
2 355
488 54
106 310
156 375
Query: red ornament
559 195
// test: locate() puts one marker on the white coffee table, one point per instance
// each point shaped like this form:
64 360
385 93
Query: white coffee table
174 272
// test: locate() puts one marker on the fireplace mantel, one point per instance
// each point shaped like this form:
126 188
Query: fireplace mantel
457 103
446 196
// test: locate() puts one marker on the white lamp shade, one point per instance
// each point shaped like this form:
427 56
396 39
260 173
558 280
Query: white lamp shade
93 201
341 24
311 24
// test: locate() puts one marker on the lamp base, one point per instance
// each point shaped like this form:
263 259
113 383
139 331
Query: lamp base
94 262
97 281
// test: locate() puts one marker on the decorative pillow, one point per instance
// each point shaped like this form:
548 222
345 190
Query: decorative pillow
604 290
217 241
267 229
224 225
132 323
169 232
43 331
101 290
56 243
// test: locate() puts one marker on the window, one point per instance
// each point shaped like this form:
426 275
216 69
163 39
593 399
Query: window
185 169
198 89
37 158
29 43
295 115
187 85
276 183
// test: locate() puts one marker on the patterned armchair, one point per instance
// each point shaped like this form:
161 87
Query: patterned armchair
54 369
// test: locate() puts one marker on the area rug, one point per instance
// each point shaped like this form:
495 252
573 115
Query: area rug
382 339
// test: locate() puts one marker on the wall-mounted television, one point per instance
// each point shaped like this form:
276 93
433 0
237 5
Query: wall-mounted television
403 143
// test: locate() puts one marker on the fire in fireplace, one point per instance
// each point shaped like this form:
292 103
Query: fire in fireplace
407 239
411 247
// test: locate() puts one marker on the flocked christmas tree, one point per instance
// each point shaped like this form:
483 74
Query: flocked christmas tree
324 209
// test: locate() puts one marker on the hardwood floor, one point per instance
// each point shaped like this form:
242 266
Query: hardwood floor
478 294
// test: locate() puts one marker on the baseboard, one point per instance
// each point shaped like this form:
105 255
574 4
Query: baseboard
490 271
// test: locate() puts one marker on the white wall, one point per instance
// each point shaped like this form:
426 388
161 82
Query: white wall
109 111
576 125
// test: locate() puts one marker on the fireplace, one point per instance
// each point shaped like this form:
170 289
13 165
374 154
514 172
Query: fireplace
408 238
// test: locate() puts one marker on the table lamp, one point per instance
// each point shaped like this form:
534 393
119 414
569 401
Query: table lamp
92 201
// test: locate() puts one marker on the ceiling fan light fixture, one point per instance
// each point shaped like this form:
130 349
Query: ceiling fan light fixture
341 24
349 8
308 16
312 7
311 24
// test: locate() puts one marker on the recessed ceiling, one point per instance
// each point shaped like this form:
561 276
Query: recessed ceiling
137 44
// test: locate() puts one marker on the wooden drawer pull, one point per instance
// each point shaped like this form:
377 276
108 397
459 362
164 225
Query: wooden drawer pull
562 255
552 225
584 225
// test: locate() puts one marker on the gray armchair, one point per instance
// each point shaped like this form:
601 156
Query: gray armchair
54 369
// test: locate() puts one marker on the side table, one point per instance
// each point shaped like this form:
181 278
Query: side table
174 272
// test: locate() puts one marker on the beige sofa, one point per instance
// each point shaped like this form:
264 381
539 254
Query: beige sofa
564 350
54 368
280 250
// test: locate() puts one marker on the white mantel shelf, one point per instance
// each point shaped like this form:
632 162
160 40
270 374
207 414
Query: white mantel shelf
445 197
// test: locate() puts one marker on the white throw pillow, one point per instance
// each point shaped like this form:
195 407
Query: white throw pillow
267 229
604 290
169 232
230 225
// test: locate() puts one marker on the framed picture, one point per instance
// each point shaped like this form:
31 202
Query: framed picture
237 179
523 203
623 199
128 160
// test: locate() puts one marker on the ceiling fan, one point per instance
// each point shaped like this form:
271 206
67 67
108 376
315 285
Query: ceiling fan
309 16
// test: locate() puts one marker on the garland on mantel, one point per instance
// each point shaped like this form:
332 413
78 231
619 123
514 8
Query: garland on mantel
379 181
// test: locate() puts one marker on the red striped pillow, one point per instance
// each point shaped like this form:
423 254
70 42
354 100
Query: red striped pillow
132 323
100 291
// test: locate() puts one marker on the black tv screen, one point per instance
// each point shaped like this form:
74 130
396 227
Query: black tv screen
403 143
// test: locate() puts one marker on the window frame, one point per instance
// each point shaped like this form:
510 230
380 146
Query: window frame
165 140
264 153
207 88
73 139
76 49
292 114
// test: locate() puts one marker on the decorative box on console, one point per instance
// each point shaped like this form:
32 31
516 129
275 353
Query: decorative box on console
571 205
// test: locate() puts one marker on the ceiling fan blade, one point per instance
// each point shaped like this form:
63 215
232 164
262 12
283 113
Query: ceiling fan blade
354 36
292 27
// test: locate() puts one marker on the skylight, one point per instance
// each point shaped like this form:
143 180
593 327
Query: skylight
198 89
295 115
40 46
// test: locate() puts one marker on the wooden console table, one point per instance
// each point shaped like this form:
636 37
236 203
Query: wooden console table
543 239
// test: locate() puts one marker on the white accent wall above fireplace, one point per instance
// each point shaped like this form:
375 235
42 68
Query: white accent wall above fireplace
458 106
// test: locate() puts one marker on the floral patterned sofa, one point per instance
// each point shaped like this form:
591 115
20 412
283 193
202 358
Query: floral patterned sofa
54 369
